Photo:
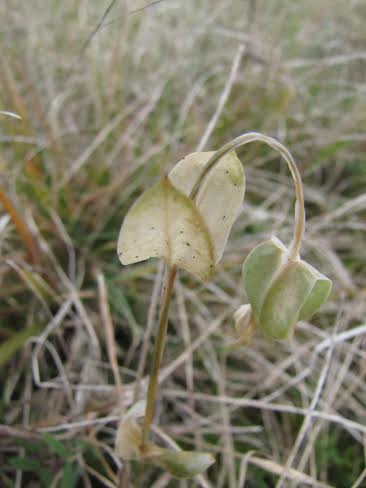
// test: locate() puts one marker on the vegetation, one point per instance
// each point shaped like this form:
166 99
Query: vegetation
105 116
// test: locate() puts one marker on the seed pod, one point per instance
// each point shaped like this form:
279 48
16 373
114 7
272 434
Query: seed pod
182 464
280 290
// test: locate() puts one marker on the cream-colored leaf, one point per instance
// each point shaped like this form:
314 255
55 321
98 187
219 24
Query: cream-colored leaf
129 434
221 194
136 411
129 439
165 223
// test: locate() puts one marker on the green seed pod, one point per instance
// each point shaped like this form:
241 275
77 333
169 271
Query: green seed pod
280 290
182 464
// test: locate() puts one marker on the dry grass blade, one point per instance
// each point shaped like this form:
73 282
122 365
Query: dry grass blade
293 474
223 98
109 335
157 80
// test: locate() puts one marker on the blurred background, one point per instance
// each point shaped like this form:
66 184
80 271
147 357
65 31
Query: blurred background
111 95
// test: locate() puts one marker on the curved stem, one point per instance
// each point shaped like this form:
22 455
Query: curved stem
158 351
285 153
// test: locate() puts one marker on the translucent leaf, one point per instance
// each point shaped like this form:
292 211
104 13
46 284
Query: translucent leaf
259 269
183 464
165 223
137 410
129 433
287 294
318 295
129 439
221 195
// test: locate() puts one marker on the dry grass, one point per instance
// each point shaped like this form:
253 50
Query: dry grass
102 123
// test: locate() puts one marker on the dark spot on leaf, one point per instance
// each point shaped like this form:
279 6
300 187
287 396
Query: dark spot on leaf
224 217
152 228
181 232
227 171
188 244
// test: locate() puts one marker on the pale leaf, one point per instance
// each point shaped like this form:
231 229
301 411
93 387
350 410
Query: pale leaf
221 194
129 439
165 223
137 410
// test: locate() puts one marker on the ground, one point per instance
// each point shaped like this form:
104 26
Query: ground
110 97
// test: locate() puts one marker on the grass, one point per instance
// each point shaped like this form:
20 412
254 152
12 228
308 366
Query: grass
98 127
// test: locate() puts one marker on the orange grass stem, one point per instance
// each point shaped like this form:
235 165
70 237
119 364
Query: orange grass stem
21 228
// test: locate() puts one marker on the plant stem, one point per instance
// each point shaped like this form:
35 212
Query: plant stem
158 350
285 153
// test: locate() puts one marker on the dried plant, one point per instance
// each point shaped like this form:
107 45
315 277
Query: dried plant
186 219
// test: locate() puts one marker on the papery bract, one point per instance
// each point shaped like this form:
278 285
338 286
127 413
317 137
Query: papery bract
165 223
220 196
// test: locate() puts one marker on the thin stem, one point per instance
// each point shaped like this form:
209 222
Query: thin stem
299 209
158 351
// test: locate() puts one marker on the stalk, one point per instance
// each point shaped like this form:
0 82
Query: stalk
295 245
171 272
158 351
